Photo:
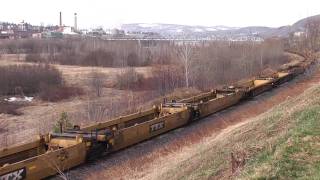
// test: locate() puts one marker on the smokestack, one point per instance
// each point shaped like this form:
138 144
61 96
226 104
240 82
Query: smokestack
75 22
60 23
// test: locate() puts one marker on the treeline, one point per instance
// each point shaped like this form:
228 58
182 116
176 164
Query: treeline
307 40
217 63
85 52
202 65
224 63
206 67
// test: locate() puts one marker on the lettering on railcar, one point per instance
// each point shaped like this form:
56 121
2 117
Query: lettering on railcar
156 126
15 175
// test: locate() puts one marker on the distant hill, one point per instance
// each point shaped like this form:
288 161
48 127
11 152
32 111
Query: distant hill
175 30
299 26
219 32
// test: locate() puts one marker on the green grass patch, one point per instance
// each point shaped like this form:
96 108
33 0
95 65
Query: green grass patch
283 143
296 155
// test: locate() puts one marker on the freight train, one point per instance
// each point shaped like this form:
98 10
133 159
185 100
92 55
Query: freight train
56 152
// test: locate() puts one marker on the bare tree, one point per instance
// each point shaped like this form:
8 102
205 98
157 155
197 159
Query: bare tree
129 78
185 52
313 34
97 82
96 111
4 128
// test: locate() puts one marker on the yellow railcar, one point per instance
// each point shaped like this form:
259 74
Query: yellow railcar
35 161
56 152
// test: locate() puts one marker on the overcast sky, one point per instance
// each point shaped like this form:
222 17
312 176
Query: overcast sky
106 13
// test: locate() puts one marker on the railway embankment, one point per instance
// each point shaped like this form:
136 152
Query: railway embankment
282 143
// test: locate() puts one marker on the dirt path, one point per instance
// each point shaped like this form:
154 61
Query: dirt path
139 161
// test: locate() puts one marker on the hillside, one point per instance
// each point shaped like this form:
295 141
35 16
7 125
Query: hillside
298 26
282 143
218 32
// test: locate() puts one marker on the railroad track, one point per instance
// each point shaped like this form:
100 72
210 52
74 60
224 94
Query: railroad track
56 152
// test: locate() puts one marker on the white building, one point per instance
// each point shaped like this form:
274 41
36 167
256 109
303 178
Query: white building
298 34
67 30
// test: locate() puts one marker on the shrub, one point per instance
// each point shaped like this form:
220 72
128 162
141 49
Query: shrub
98 58
96 82
129 79
62 124
57 93
10 108
28 79
133 60
34 58
166 78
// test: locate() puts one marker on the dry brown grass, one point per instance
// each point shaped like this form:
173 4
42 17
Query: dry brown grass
79 75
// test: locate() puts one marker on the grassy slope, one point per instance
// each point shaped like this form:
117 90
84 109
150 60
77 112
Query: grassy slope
296 154
283 143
